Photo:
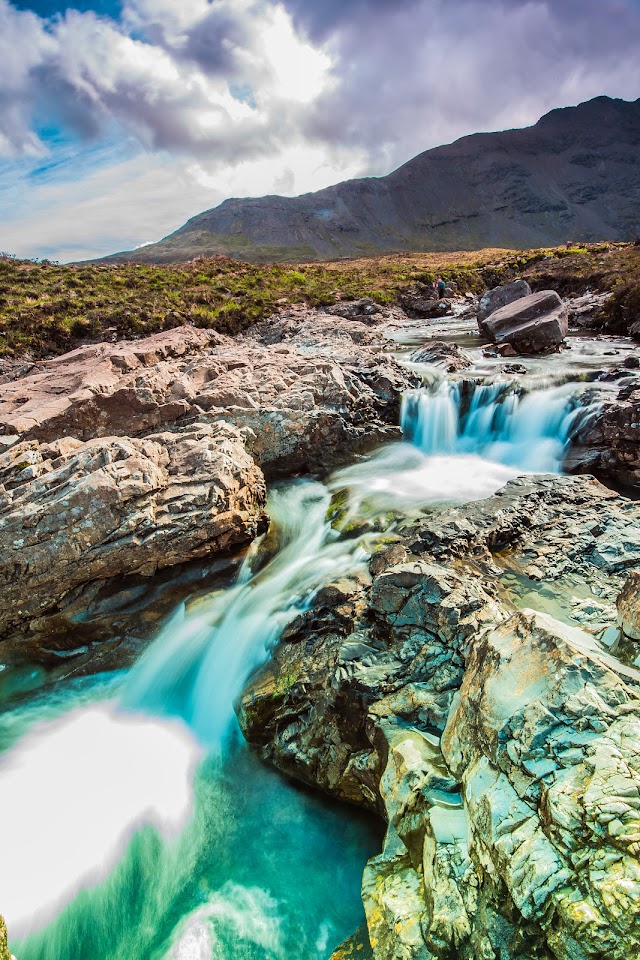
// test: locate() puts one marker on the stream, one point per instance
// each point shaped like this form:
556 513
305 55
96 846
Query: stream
136 824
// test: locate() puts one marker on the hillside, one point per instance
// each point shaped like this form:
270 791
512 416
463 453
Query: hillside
574 175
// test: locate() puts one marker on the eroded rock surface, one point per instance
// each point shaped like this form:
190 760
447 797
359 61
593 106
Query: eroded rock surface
76 513
439 353
500 744
609 444
628 604
306 397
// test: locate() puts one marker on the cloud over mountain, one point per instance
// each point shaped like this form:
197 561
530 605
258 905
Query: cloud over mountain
259 95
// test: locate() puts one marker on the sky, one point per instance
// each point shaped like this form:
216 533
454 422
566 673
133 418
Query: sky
120 119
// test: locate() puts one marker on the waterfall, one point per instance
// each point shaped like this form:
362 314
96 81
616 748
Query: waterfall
497 421
199 663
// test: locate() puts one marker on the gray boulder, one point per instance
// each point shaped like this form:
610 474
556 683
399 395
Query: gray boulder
531 324
492 300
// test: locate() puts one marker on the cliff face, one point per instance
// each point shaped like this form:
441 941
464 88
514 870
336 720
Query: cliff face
574 175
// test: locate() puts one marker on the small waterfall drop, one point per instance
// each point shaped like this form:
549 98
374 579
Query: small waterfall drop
497 421
199 663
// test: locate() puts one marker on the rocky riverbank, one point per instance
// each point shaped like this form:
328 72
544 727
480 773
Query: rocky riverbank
498 742
125 459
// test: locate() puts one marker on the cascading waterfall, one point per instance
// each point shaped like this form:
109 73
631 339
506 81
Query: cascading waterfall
497 421
201 660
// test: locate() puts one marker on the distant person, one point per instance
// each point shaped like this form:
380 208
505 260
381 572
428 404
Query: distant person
441 287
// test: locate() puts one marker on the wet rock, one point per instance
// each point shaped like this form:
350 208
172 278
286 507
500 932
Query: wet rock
628 603
77 513
513 369
492 300
498 745
422 301
442 354
530 324
352 309
609 443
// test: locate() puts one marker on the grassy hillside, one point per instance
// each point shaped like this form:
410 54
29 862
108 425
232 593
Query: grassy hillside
48 308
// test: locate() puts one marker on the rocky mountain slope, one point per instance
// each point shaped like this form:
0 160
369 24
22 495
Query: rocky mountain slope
574 175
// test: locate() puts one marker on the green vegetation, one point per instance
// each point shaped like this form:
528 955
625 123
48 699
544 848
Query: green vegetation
48 308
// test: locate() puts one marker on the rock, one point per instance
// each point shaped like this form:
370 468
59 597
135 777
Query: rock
513 369
352 309
492 300
78 513
609 442
634 330
422 301
506 350
586 312
442 354
531 324
499 745
628 604
304 398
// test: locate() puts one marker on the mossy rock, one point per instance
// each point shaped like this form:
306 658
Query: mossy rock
356 947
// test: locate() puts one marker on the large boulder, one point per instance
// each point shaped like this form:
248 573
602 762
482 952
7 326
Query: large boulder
531 324
75 513
492 300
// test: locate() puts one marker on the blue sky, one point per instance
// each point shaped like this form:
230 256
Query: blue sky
120 120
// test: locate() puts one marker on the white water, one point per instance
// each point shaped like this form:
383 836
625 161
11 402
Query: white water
529 431
83 785
202 659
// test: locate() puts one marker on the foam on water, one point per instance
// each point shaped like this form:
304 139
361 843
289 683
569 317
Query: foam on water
403 478
82 785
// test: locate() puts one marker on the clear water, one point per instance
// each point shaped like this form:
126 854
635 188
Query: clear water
137 825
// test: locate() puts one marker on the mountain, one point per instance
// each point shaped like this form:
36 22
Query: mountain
574 175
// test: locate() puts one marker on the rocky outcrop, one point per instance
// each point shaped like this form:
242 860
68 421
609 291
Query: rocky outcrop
76 513
498 743
609 443
120 460
305 400
492 300
586 312
530 324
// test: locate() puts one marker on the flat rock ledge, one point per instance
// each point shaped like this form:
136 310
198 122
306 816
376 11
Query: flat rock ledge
499 743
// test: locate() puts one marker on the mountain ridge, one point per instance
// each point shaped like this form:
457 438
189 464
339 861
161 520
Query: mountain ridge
573 175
